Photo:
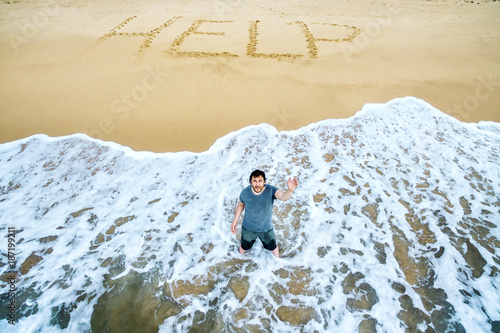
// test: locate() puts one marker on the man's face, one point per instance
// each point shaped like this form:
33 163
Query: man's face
258 184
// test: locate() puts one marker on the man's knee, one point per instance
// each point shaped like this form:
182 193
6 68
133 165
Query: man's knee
246 245
271 245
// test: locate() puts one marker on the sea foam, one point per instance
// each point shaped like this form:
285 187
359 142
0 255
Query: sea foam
394 227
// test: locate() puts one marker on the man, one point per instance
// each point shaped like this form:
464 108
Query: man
257 201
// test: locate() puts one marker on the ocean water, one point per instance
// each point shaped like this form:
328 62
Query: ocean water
393 228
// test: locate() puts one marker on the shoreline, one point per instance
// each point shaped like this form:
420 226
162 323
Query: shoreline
489 127
103 69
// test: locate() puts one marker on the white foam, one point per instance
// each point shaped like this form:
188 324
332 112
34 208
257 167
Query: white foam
403 160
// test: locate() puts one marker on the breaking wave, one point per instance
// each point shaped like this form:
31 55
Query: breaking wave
394 227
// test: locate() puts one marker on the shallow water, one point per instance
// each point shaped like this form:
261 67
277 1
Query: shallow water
394 227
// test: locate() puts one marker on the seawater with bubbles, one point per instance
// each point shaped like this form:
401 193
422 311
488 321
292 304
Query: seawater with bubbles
393 228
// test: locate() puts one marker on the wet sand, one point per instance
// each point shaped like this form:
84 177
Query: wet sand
177 76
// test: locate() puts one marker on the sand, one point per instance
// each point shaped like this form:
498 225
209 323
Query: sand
170 76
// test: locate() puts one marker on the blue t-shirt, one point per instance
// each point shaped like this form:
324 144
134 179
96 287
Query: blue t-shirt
258 208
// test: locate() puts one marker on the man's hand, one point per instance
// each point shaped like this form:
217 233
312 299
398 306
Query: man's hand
233 227
292 183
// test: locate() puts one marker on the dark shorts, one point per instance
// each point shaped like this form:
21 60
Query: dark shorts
267 238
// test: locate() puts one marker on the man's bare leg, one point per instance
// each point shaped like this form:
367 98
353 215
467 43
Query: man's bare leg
241 250
276 252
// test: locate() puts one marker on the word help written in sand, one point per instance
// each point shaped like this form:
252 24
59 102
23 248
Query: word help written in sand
348 34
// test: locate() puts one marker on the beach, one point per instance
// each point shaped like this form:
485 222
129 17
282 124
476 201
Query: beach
129 129
393 228
173 76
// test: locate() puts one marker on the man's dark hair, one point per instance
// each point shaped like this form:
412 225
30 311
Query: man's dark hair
256 174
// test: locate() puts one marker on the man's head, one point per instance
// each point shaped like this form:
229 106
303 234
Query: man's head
257 180
257 174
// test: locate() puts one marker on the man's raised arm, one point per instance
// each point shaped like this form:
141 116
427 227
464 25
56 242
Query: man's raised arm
292 185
